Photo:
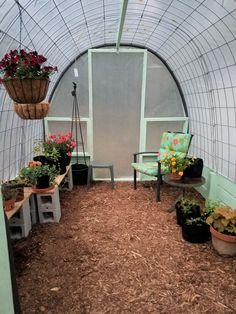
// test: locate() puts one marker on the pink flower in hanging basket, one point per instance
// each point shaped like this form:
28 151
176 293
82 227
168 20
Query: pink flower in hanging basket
21 64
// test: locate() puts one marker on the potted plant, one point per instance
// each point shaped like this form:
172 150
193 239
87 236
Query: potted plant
196 230
186 208
17 185
39 176
45 153
194 169
222 223
24 77
8 197
175 164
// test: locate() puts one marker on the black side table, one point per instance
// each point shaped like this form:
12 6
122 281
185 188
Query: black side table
184 183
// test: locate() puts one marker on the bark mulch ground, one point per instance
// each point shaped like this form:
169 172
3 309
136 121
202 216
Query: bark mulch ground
120 252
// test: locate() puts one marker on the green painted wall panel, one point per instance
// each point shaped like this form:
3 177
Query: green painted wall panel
6 298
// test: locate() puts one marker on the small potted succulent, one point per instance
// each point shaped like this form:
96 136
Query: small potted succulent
39 176
222 223
18 186
9 197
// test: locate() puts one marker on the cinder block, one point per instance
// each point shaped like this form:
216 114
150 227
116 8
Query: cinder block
20 223
46 216
48 201
33 209
49 207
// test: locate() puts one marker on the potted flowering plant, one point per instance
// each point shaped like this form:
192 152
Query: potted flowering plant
24 77
175 164
64 143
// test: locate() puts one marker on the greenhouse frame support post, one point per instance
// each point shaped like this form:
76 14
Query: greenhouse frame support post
121 23
9 300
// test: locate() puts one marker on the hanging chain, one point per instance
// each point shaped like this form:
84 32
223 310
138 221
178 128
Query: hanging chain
76 118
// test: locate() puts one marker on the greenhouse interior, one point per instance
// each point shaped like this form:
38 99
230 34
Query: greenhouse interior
118 156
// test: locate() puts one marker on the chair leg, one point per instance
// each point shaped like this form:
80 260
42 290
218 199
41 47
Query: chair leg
158 191
159 182
89 178
135 180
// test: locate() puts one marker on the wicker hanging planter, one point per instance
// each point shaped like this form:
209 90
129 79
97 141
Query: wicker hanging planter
32 111
27 91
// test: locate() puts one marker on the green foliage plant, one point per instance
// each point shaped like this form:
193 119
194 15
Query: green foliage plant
223 219
31 174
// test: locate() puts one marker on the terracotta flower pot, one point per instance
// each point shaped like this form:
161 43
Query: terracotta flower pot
224 244
175 176
27 91
9 204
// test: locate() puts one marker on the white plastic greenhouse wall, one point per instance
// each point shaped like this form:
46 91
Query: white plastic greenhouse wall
144 67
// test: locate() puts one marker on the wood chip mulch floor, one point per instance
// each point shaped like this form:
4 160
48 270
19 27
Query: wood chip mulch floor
120 252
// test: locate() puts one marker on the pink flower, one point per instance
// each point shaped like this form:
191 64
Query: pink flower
175 141
68 154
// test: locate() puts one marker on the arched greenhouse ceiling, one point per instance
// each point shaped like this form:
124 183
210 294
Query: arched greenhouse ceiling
196 39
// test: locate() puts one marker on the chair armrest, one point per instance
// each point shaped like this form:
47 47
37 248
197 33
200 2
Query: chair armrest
142 153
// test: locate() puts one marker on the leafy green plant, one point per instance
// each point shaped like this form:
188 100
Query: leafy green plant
209 208
198 221
46 149
188 206
223 219
31 174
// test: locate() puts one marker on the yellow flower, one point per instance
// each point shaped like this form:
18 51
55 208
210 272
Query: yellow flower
173 159
173 170
181 173
167 147
173 163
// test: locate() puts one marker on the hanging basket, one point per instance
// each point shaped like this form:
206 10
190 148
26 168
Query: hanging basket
27 91
32 111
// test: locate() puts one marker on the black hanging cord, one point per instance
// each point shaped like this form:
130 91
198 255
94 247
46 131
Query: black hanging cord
76 118
21 21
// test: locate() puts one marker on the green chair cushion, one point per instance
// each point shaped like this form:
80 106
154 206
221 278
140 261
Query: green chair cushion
149 168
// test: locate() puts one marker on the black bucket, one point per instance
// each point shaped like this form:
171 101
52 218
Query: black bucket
80 174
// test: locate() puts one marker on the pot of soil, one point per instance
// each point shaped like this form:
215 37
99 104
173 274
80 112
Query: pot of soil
43 182
194 170
195 230
80 174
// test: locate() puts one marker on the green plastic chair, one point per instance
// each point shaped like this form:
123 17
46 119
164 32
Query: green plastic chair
177 142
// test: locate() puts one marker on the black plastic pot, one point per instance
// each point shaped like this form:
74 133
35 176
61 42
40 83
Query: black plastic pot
196 233
194 170
42 182
80 174
62 162
182 217
41 158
